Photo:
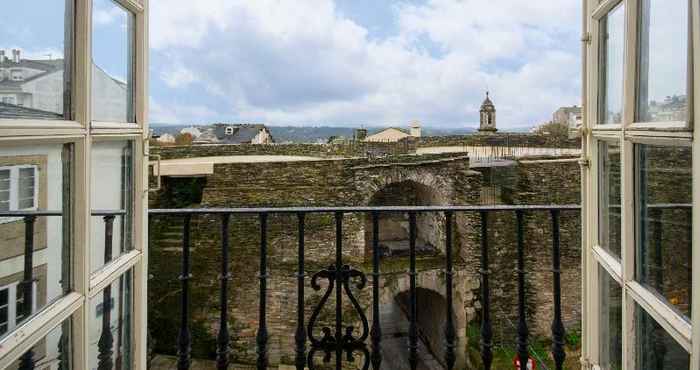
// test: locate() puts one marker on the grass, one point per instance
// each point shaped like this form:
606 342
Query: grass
539 348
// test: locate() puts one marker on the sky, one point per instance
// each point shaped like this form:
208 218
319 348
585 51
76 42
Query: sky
335 62
363 62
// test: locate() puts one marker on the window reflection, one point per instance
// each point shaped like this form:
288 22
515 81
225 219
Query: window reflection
656 349
612 51
610 344
111 190
113 59
110 325
663 61
54 351
34 69
610 226
665 231
36 177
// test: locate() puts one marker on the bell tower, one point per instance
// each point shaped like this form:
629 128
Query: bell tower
488 116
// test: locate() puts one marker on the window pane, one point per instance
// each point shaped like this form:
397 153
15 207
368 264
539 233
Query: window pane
4 190
51 164
665 239
656 349
663 61
110 321
609 198
610 343
54 351
26 188
112 190
112 57
612 51
34 71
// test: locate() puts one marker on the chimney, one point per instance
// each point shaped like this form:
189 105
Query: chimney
360 134
415 129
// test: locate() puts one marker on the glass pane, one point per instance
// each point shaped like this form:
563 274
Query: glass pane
4 190
113 59
610 343
610 227
665 233
656 349
663 61
612 52
110 322
54 351
50 249
111 190
34 70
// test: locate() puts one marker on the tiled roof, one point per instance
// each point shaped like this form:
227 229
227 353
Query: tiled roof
17 112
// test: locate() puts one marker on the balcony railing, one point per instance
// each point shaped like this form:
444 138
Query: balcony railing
340 340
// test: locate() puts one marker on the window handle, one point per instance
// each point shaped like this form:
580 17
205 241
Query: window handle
156 172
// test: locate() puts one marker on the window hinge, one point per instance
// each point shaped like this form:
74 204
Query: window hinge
586 38
584 162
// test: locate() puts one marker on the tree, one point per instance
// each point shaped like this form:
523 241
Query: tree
554 129
183 139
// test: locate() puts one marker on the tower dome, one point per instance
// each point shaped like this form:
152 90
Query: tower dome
487 115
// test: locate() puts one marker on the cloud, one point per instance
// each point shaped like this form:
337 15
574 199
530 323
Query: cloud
291 62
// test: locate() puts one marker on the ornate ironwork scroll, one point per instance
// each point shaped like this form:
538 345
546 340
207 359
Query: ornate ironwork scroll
343 341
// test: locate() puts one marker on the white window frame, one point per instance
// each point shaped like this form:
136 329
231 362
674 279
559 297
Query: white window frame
630 133
81 131
14 191
12 304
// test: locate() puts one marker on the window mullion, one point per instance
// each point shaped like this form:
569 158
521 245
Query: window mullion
695 103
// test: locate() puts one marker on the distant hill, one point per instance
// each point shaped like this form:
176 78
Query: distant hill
311 134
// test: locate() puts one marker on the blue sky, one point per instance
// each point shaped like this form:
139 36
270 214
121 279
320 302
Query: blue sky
339 62
355 62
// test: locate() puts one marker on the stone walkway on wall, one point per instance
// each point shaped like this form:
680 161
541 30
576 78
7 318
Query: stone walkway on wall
395 342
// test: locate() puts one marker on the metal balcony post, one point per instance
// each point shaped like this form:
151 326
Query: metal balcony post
486 330
184 340
449 324
262 336
223 340
376 325
558 331
523 332
300 336
27 361
413 313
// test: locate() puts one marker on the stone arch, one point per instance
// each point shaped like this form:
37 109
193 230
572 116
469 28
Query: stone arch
394 227
432 311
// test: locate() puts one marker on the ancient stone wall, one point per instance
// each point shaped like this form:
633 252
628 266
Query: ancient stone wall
501 139
362 149
354 182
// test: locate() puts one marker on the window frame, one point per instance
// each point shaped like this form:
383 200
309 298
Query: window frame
14 191
631 133
82 132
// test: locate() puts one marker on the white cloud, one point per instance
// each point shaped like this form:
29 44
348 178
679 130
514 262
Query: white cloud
177 76
301 62
175 112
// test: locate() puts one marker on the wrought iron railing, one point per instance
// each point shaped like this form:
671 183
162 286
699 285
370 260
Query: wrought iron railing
340 340
28 361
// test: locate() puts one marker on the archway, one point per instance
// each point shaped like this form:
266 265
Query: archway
431 319
394 227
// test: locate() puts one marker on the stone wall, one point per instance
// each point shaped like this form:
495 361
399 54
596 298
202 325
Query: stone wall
501 139
354 182
362 149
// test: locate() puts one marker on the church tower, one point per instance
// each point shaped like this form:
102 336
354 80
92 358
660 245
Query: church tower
488 116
